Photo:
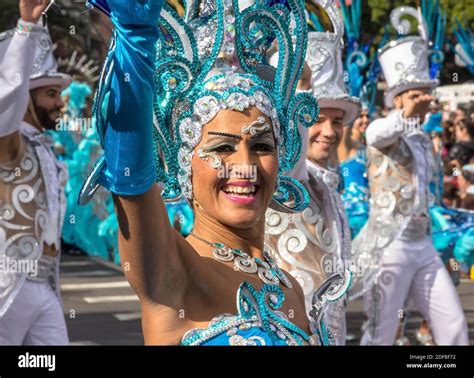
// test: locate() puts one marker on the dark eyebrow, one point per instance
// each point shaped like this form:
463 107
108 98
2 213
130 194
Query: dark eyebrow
227 135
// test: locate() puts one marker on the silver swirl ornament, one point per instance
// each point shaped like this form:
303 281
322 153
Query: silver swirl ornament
22 194
276 222
28 164
223 253
331 290
292 241
245 263
28 246
359 58
339 287
267 276
402 26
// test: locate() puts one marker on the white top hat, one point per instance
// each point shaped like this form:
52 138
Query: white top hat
45 68
404 61
324 57
44 71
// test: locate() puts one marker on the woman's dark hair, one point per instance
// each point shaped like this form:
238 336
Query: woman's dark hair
468 125
462 152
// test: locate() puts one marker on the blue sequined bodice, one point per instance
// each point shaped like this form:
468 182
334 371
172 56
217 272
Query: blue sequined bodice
356 190
258 322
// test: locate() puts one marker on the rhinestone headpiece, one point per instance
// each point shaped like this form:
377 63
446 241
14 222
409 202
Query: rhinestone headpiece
214 59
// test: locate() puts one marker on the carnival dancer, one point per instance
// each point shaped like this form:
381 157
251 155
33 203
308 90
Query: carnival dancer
353 170
315 243
395 247
361 68
222 140
32 202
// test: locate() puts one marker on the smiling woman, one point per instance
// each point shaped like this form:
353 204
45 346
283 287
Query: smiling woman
239 198
223 136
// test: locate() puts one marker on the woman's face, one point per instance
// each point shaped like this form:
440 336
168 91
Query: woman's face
235 168
362 122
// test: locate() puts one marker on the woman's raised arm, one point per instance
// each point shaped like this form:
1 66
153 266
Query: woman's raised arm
124 111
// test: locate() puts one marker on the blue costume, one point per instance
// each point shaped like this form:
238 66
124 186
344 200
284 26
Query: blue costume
246 327
452 229
356 192
92 228
362 70
203 64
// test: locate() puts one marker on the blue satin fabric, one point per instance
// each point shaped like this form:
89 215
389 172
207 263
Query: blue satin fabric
127 91
356 192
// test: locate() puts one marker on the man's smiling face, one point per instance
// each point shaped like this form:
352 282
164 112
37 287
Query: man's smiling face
325 135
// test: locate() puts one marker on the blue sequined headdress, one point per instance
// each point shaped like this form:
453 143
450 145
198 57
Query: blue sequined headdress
361 67
214 59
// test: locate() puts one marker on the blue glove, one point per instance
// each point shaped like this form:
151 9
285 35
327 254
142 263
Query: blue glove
130 12
124 100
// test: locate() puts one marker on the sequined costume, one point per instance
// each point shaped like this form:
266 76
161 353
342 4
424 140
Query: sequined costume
316 243
257 323
356 194
32 201
205 64
394 249
361 68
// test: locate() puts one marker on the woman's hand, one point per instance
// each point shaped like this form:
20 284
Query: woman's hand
31 10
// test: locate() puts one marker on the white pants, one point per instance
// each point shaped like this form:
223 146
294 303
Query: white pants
34 318
413 269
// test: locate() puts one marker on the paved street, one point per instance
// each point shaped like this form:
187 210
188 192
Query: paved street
101 308
99 305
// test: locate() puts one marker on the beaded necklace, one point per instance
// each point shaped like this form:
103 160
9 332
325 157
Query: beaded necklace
266 269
